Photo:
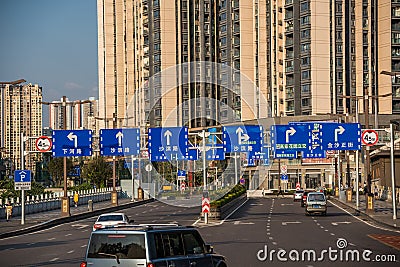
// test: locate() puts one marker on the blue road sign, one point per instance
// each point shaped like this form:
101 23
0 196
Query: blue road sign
243 138
341 136
72 143
182 173
168 143
290 137
76 172
284 177
193 153
285 154
314 149
216 152
120 142
22 176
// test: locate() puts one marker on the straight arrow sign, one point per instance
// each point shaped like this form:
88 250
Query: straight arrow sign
168 135
119 136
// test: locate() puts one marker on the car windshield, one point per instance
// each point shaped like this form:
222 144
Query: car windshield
130 246
316 197
110 218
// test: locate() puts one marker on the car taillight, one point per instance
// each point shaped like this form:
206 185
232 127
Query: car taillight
150 264
97 226
83 264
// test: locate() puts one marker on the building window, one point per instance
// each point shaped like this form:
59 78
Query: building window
304 6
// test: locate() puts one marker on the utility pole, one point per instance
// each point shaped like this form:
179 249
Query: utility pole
367 156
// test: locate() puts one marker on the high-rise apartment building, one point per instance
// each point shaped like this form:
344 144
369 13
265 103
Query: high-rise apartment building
79 114
21 112
303 57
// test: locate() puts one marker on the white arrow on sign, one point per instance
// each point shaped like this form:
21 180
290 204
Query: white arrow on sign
337 223
72 137
290 132
119 136
242 137
168 135
338 131
286 223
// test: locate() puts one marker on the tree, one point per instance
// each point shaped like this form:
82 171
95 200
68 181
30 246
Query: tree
97 171
56 170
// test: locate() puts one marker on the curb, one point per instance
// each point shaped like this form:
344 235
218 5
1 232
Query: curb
358 211
72 218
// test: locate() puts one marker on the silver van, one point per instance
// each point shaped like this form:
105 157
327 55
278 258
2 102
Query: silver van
316 203
150 246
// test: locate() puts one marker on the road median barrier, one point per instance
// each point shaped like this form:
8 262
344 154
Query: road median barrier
72 218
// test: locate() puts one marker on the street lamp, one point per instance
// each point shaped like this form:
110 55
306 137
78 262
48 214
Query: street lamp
392 166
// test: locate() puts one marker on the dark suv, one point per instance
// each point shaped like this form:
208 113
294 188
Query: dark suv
150 246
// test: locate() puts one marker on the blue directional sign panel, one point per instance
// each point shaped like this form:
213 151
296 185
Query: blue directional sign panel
170 143
290 137
181 174
22 176
284 177
72 143
243 138
120 142
341 136
76 171
215 152
314 149
193 153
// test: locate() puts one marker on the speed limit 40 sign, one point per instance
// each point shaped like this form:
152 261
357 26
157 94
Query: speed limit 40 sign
43 144
369 137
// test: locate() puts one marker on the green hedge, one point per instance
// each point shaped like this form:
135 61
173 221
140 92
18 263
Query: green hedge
235 192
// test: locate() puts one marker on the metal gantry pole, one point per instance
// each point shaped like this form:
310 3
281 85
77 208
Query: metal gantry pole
236 169
133 180
204 172
357 180
22 168
392 171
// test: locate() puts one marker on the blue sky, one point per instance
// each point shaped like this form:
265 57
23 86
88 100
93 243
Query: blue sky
52 43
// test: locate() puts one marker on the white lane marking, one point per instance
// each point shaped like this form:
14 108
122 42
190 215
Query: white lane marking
367 223
337 223
285 204
71 251
80 226
54 259
33 243
321 227
83 246
239 222
274 243
268 232
51 238
286 223
332 234
270 238
256 204
68 234
326 230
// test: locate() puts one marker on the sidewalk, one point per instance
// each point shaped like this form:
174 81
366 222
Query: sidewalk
383 210
46 219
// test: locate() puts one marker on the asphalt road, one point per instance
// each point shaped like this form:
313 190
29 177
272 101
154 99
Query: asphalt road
247 238
261 226
65 245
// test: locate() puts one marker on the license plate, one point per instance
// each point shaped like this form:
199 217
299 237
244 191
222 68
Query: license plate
315 206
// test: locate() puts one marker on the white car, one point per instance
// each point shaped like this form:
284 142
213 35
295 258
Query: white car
111 219
298 195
